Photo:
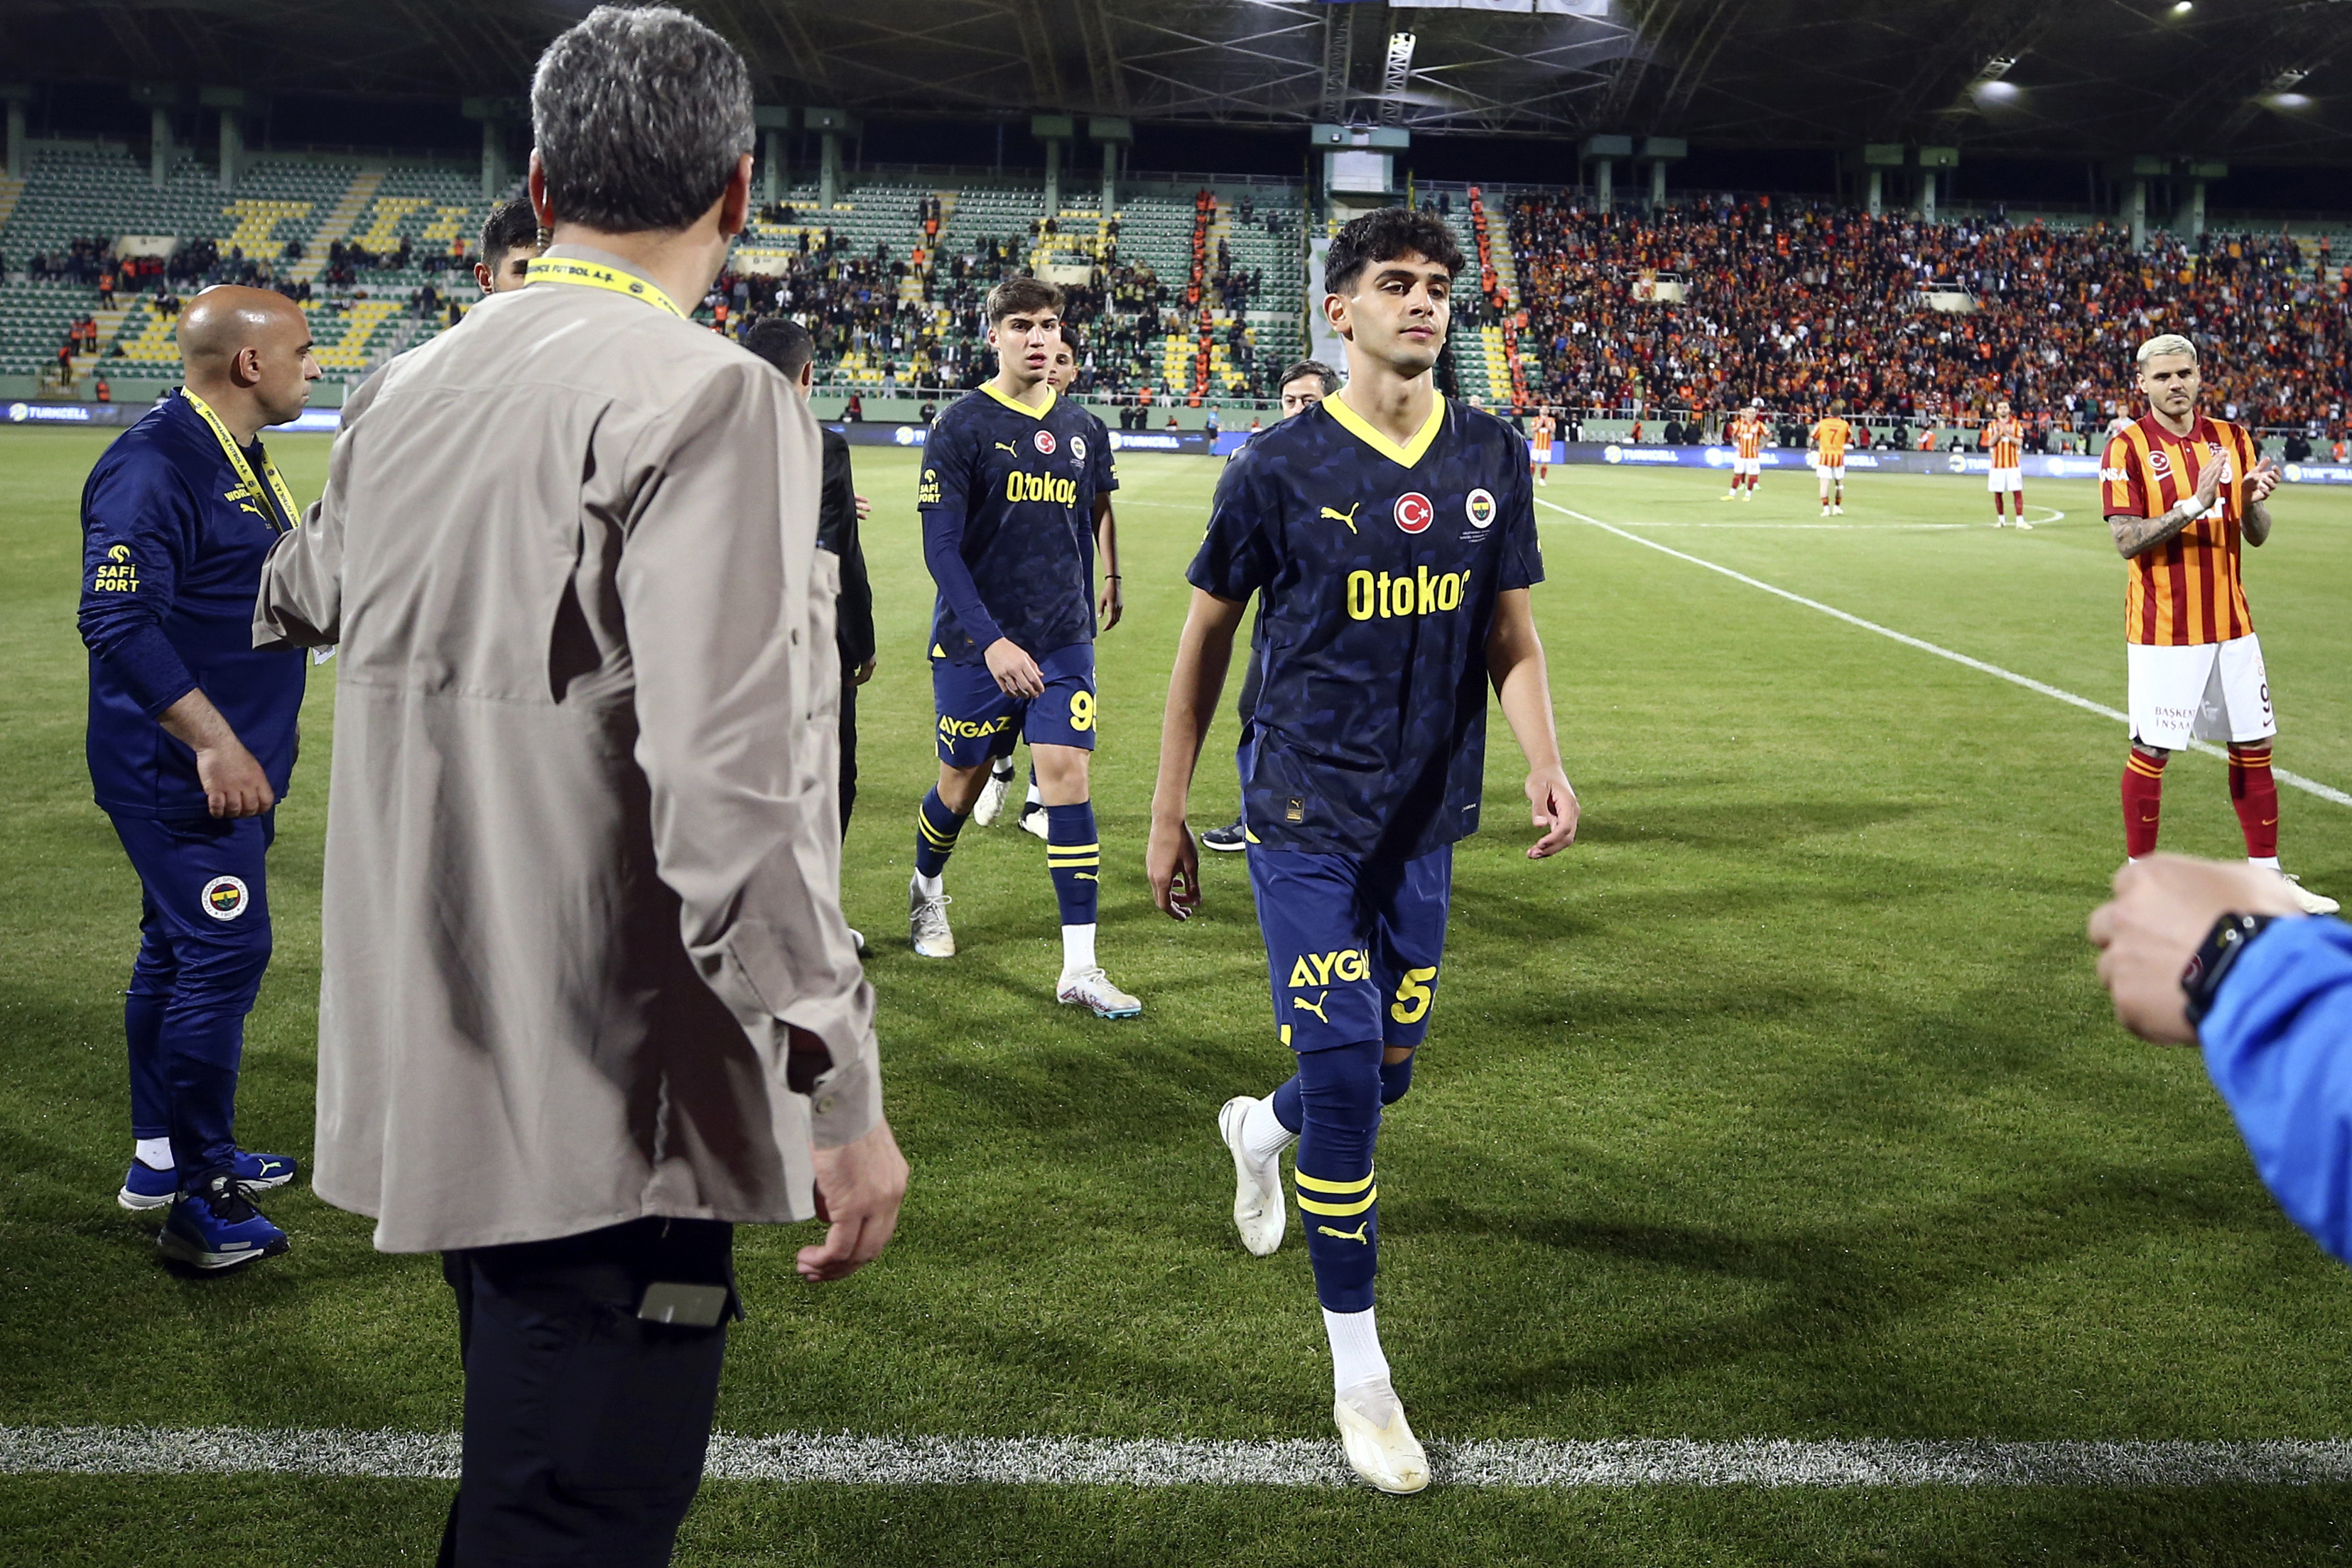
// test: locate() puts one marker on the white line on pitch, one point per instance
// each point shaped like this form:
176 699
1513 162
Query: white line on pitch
2309 786
846 1460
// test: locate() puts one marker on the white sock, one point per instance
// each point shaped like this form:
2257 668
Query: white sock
1077 950
930 886
2270 864
1001 769
1033 798
1356 1355
1263 1136
155 1153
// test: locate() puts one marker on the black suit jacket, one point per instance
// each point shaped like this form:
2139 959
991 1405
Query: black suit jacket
836 530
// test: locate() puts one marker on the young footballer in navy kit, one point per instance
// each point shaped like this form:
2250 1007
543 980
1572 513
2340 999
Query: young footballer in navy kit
1011 546
1390 535
1095 486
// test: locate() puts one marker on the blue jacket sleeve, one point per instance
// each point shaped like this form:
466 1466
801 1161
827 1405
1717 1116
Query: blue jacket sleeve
2278 1044
942 496
139 529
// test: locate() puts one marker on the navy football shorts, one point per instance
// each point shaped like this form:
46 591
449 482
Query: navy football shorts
978 723
1352 946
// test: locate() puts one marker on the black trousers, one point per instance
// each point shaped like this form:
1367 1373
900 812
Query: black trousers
849 745
585 1425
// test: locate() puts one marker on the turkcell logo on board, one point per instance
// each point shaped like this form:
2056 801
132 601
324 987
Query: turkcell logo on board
48 413
1613 453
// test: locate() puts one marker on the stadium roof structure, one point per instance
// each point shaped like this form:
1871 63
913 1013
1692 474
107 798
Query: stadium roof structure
2264 79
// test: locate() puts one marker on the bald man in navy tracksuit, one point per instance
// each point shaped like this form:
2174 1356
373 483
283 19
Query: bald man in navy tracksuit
192 738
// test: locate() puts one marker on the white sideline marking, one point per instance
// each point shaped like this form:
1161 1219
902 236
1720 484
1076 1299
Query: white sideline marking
842 1460
2309 786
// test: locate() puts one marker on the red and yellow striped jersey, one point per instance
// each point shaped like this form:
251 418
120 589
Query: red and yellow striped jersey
1747 435
2186 590
2007 439
1544 431
1831 435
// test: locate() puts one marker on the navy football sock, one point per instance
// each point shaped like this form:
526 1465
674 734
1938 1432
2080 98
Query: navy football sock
1287 1108
1339 1096
1074 854
1396 1077
936 828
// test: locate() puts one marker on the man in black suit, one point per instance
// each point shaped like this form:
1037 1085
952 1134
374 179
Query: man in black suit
786 344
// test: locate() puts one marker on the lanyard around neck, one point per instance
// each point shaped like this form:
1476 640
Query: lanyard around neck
596 275
288 515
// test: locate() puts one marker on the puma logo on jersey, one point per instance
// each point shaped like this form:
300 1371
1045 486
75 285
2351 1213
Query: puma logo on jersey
1355 1235
1315 1007
1008 446
1348 517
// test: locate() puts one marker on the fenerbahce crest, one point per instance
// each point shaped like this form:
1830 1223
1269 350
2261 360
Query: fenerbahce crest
226 898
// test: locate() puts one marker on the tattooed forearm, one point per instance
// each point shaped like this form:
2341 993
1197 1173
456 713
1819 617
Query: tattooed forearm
2134 535
2257 526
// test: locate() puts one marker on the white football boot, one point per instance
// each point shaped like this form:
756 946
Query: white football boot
2310 902
990 804
1092 989
927 924
1258 1208
2024 527
1380 1442
1033 820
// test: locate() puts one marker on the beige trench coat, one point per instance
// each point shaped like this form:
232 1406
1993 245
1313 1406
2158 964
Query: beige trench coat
582 873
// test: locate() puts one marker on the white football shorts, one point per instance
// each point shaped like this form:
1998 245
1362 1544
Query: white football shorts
1747 466
2208 691
1832 474
2001 479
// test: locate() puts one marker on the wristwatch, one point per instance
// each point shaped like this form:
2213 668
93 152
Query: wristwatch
2213 958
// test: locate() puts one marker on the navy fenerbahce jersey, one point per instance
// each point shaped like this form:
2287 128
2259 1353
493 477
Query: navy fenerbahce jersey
1378 569
1010 490
171 553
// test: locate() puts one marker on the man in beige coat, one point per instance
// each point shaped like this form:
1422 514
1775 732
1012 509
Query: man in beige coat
589 999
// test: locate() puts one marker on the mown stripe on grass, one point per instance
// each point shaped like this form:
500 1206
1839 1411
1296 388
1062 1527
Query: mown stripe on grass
844 1459
2309 786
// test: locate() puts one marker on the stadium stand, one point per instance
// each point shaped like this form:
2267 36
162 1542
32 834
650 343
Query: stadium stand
354 245
1912 323
1196 295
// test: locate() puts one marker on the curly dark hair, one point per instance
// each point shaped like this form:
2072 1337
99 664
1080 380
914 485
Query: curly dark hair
1385 235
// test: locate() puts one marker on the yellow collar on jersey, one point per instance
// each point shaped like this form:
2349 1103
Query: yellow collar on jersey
1404 457
1016 405
597 275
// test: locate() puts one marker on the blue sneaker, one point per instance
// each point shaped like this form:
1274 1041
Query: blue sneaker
145 1187
216 1227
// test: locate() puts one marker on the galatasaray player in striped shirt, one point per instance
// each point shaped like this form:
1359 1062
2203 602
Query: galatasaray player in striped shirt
2180 492
1746 433
1830 437
2004 437
1546 430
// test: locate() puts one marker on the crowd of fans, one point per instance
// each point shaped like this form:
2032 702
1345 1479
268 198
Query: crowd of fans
1804 307
1906 322
933 338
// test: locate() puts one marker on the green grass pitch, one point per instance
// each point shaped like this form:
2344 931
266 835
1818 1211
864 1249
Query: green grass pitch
1784 1105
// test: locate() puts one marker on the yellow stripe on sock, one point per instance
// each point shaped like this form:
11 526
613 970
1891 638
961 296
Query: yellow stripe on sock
1317 1184
1340 1210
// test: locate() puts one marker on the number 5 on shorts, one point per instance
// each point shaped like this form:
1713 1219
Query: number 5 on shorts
1082 710
1413 996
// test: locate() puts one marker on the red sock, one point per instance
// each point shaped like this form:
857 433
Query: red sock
2254 793
2019 495
2143 801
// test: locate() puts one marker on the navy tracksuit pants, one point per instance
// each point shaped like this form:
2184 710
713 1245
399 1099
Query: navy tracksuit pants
203 926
